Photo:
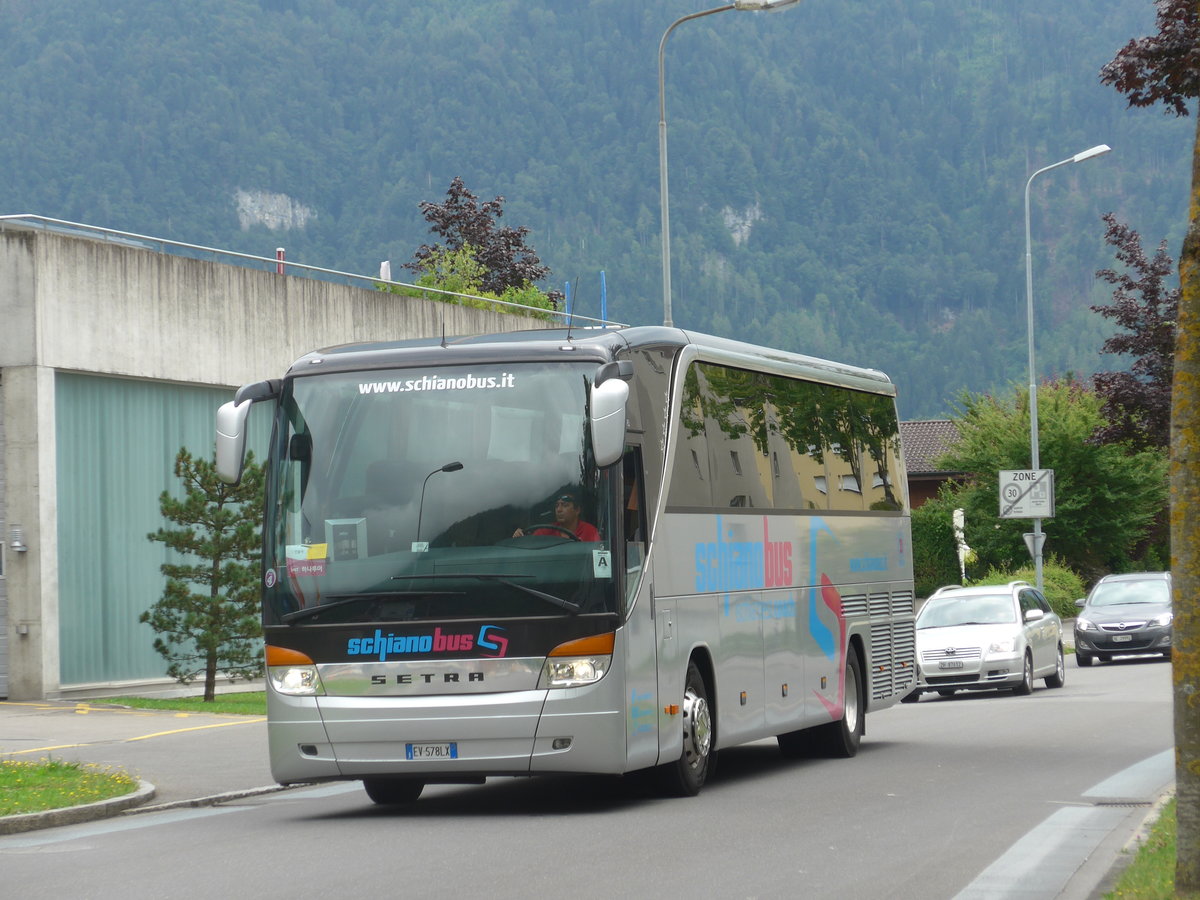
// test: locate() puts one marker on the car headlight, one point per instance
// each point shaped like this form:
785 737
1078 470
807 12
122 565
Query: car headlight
578 663
1084 624
1162 619
1005 645
293 673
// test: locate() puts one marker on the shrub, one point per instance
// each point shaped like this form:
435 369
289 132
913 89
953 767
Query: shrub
1061 585
934 553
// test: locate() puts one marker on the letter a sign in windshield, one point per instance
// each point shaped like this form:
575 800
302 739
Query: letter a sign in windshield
1027 494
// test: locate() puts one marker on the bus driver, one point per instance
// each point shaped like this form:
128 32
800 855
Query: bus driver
566 517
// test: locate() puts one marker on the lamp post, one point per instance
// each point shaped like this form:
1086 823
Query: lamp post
1036 547
448 467
751 5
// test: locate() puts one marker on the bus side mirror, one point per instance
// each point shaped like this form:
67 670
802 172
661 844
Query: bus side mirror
231 427
231 440
608 421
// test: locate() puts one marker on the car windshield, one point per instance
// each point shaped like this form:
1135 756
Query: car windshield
947 612
1121 593
447 492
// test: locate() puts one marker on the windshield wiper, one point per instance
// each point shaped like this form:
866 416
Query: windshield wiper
341 600
504 580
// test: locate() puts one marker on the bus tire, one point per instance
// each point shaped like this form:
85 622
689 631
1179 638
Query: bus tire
840 739
393 791
835 739
685 776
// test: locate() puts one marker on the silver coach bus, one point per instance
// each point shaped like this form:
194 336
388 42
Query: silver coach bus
588 552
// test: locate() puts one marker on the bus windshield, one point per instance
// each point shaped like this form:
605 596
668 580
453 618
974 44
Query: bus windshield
437 493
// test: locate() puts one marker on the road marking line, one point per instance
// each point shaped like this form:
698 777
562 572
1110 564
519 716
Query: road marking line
242 721
194 728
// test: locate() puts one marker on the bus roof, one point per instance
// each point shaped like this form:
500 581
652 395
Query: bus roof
601 344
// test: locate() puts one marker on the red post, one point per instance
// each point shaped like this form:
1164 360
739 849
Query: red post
279 267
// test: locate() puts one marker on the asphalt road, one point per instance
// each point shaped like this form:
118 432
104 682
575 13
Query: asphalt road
973 796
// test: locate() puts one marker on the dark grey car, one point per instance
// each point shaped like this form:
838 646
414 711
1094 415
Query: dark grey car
1124 614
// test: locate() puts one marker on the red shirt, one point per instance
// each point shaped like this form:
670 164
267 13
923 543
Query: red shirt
583 530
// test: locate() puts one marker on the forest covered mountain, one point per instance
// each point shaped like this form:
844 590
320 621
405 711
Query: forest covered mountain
846 176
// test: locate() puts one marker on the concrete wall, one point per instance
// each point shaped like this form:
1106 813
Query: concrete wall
78 304
94 306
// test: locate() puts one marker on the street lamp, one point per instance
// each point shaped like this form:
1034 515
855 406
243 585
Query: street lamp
1038 538
751 5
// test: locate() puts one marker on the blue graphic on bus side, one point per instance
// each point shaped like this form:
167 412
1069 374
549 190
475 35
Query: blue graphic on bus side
727 565
641 706
819 631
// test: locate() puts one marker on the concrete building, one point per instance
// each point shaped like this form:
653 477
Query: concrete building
114 353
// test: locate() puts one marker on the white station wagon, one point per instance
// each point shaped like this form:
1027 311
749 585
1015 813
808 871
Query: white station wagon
995 636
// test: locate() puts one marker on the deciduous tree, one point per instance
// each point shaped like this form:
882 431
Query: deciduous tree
1107 496
461 222
1165 68
217 628
1137 403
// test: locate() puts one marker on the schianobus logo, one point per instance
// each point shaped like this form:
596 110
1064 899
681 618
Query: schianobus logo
489 641
729 565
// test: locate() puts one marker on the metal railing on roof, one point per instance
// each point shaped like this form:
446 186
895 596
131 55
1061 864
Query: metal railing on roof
180 248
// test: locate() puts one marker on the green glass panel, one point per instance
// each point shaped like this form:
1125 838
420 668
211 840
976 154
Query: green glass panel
116 445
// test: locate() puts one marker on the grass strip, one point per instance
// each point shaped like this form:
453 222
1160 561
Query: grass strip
1151 874
36 786
246 703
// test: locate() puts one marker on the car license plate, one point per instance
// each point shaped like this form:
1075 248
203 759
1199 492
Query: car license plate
431 751
950 664
1121 638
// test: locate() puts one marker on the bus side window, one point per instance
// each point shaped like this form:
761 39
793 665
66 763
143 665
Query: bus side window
634 508
633 521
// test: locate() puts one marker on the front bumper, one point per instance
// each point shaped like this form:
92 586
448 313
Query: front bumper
975 673
511 733
1148 639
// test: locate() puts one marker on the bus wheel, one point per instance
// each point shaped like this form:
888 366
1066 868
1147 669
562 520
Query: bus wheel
687 775
841 739
393 791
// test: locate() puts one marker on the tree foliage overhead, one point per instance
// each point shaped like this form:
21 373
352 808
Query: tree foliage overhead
1163 67
217 628
1137 403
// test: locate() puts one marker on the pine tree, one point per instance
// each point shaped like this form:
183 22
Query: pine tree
218 628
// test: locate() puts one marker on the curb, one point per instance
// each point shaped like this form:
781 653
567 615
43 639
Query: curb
1129 850
211 800
73 815
131 804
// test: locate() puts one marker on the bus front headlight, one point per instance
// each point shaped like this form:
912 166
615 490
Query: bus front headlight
573 672
577 663
293 673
